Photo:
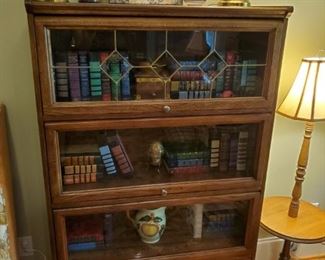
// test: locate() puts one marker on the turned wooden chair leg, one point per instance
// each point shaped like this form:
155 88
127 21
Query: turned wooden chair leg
285 254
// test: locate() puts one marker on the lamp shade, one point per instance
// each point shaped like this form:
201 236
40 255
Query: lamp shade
306 98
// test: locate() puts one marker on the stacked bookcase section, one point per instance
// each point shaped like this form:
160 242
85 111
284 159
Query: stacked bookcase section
155 126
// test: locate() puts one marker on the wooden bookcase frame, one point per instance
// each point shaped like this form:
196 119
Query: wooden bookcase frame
75 116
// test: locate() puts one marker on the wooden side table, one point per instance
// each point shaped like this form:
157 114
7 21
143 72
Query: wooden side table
308 227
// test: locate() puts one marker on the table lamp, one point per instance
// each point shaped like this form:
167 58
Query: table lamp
305 101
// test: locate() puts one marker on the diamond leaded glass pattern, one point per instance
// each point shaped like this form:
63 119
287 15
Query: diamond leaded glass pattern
122 65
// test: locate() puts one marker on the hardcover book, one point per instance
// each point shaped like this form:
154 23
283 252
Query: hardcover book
74 78
107 158
95 76
224 151
242 150
115 74
121 158
61 77
89 228
106 85
84 246
214 147
84 75
125 82
187 170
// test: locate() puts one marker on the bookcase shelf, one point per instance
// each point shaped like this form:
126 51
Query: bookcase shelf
155 126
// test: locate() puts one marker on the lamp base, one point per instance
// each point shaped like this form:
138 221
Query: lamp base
301 171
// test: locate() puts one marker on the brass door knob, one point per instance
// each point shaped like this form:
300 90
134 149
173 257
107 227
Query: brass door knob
166 109
164 192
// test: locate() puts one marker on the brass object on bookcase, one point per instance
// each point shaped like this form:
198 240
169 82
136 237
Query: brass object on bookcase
234 2
194 2
156 151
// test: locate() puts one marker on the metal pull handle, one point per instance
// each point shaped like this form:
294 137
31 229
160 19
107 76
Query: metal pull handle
164 192
167 109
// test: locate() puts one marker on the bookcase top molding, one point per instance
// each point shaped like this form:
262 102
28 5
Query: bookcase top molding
103 9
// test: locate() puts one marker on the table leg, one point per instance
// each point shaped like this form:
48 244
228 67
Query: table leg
285 254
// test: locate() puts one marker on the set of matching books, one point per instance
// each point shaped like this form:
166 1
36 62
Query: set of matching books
83 76
186 157
189 82
190 89
220 220
229 147
79 169
211 218
249 80
115 158
238 79
89 232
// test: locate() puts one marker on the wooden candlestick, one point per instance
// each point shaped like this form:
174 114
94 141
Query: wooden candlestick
301 171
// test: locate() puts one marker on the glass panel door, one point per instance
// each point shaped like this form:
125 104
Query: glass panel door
119 65
127 157
157 231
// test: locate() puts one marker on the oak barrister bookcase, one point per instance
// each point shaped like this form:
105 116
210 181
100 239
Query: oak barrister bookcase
155 107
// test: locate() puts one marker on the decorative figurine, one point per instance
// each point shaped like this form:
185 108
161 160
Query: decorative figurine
150 224
156 151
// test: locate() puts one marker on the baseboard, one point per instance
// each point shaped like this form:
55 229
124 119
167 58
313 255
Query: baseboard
269 248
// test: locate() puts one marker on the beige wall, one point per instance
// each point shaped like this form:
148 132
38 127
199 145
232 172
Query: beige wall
16 92
305 37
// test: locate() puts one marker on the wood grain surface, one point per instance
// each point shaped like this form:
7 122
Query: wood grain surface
308 227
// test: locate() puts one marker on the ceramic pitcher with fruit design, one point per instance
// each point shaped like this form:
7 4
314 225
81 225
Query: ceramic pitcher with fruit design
150 224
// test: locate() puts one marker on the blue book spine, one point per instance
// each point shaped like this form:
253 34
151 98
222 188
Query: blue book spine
125 82
82 246
84 75
107 159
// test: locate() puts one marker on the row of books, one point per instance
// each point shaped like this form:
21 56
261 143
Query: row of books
240 77
83 76
79 169
190 89
89 232
210 218
226 148
223 220
115 158
186 157
230 147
